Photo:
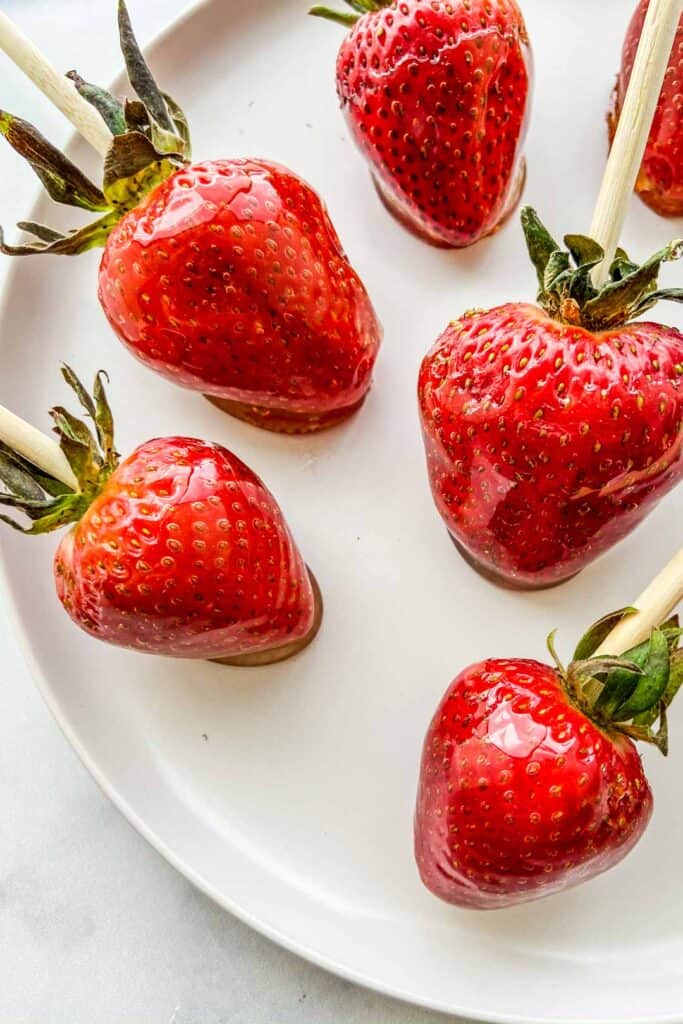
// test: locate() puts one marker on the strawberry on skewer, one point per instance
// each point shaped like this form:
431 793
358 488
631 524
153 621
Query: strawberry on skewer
436 96
530 781
660 181
178 550
225 276
551 430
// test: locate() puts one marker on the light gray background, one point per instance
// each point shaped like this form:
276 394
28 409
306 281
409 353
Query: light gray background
95 928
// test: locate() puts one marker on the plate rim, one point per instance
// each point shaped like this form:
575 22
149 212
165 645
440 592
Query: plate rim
123 805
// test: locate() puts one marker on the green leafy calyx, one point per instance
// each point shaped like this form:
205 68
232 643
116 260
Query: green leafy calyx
349 18
150 140
567 290
46 501
631 693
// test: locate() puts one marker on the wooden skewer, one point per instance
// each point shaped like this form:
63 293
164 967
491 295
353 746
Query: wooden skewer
654 606
57 88
38 448
635 123
652 60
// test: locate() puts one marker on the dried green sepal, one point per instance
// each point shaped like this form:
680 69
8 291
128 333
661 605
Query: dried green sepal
63 181
558 268
109 108
540 244
675 678
104 421
598 632
617 689
635 292
661 295
139 74
22 477
133 168
61 513
40 231
584 251
92 236
653 682
137 118
182 126
17 480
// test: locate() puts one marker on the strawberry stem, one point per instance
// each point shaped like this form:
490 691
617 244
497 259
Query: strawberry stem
340 17
360 7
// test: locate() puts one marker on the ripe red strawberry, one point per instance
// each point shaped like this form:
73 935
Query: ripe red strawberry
226 276
436 95
660 183
552 432
530 782
252 301
179 550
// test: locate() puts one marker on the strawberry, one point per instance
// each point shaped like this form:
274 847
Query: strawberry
436 96
551 431
179 550
225 276
530 781
254 303
660 183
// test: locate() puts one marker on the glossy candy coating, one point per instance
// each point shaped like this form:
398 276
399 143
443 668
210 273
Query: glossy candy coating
521 795
185 553
436 96
230 279
660 182
547 444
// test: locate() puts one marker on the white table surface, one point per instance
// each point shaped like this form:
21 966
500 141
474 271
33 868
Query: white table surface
95 928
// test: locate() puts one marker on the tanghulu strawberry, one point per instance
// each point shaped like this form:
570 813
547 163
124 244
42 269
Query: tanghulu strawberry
530 781
552 430
436 95
225 276
178 550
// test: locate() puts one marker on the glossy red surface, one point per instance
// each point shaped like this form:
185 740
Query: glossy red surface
660 183
185 553
546 444
437 96
230 279
520 795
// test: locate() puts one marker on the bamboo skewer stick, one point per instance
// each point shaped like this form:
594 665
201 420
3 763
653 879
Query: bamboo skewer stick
57 88
39 449
635 122
665 592
36 447
654 606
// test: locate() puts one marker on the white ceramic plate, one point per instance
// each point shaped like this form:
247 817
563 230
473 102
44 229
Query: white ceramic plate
287 793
